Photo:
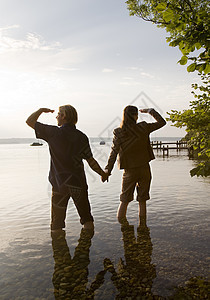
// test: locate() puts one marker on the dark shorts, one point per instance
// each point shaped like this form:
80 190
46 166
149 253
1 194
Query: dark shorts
60 202
139 178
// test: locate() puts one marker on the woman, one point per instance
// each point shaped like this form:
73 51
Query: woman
131 141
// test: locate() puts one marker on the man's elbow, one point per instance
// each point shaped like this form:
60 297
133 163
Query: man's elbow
30 124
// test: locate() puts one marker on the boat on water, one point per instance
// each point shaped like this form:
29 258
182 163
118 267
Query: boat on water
36 144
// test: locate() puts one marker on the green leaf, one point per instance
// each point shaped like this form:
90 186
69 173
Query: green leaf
198 46
207 69
202 68
168 15
192 67
161 6
183 60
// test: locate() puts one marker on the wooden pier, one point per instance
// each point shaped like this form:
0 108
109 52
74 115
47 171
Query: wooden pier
165 147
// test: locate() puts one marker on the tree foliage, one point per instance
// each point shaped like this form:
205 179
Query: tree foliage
188 25
196 119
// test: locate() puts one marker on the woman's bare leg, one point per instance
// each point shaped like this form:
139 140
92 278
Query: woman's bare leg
122 209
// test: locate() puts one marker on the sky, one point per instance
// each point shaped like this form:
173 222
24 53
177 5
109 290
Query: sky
88 53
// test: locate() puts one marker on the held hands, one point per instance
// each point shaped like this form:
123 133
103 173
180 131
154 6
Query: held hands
105 176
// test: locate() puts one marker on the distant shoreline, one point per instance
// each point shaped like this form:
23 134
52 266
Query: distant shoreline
7 141
17 140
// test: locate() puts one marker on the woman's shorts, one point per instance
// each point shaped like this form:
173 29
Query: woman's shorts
139 178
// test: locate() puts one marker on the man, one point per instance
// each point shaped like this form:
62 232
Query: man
131 141
68 147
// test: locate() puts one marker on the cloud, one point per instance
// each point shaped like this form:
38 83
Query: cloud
144 74
32 41
34 54
129 81
128 78
106 70
132 68
2 29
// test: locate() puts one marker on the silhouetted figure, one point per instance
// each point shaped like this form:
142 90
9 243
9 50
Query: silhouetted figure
131 143
68 147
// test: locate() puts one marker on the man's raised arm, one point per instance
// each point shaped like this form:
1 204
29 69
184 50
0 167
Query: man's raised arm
32 119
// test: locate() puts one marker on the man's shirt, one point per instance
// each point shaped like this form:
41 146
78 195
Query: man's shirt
68 146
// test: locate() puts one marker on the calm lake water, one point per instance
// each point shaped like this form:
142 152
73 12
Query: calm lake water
173 247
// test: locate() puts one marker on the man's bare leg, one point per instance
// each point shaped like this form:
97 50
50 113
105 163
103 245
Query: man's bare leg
122 209
142 209
142 212
89 225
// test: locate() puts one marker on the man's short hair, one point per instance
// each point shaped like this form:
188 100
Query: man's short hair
69 113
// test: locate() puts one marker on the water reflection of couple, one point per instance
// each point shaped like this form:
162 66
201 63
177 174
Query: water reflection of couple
133 278
70 275
68 147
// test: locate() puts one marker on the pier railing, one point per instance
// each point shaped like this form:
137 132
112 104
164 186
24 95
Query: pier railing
165 147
